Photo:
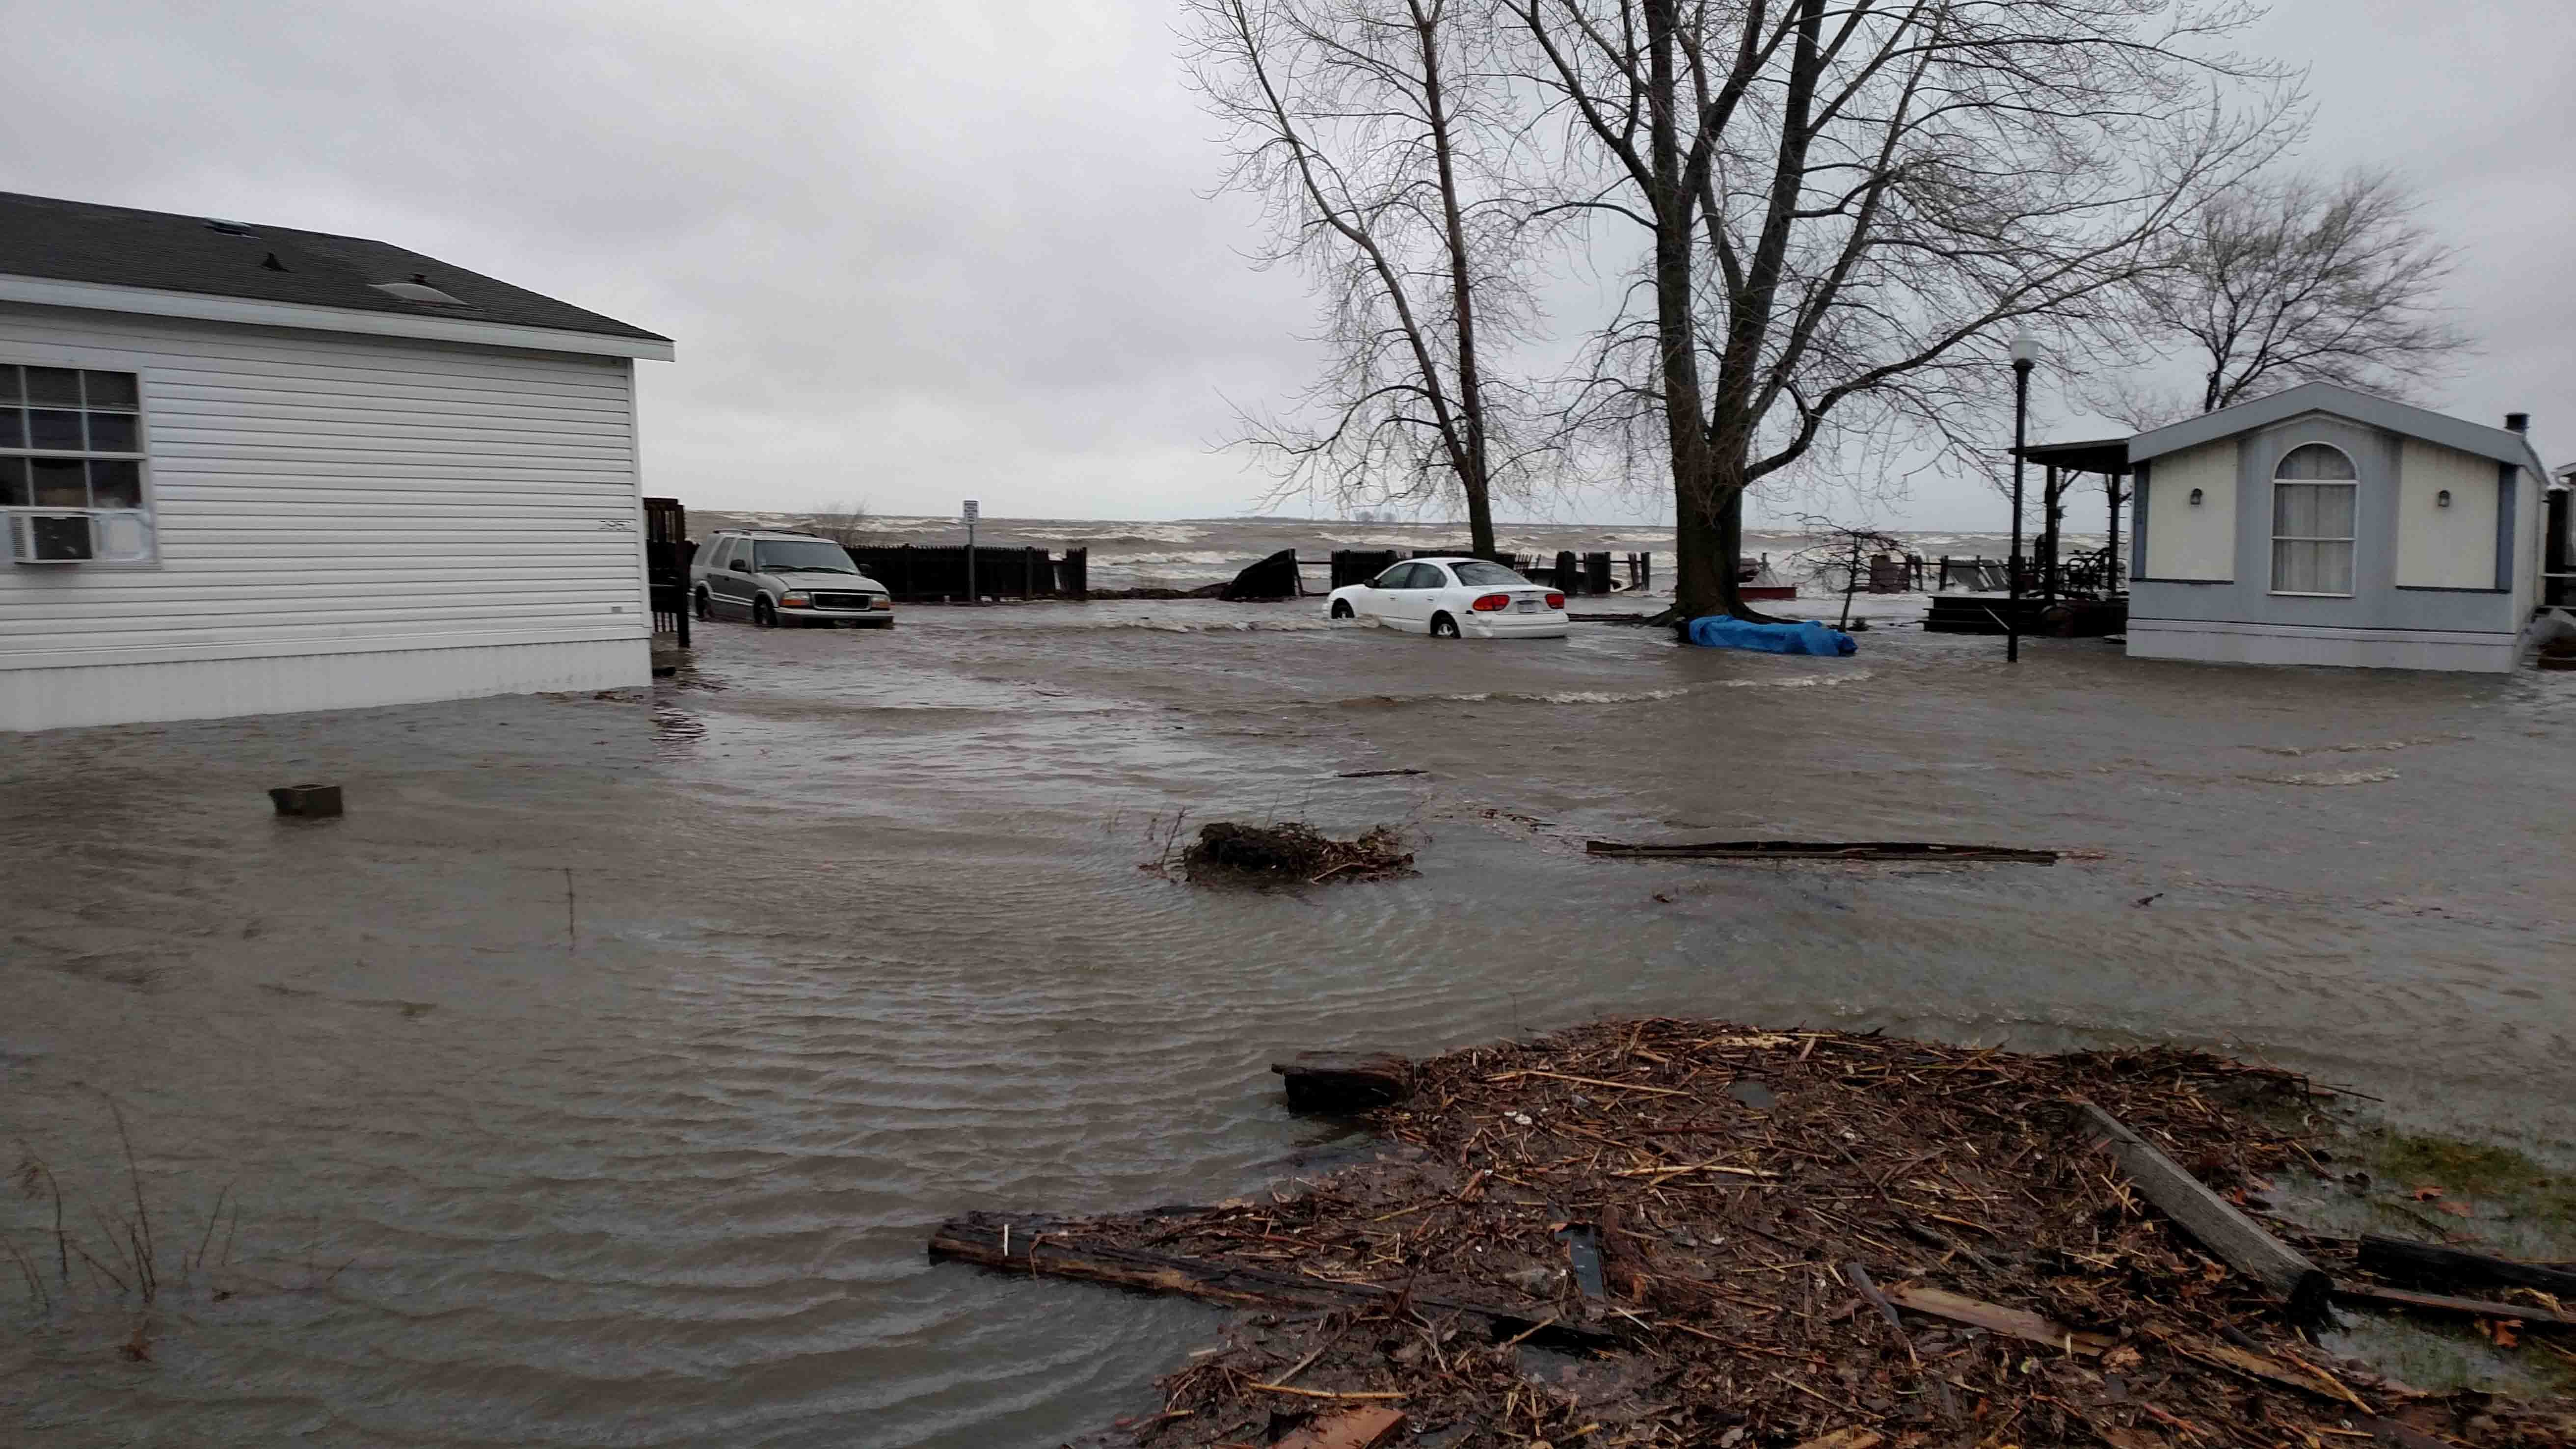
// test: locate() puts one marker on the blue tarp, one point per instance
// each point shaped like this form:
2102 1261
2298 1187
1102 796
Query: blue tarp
1724 631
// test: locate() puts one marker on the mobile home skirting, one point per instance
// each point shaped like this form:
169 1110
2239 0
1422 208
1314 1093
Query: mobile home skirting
2215 641
57 698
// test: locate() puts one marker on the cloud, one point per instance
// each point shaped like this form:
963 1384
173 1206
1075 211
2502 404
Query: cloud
922 252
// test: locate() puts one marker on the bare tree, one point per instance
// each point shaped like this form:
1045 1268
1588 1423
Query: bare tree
1844 545
1378 131
2298 280
848 523
1849 202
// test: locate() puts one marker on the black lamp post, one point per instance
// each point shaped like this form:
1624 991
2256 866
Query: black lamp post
2025 355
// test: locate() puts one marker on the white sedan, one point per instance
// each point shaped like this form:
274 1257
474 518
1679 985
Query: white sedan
1449 598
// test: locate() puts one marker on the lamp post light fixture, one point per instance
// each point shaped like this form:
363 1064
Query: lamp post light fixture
2025 356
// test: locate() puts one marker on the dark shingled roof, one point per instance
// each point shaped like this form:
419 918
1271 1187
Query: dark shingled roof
75 241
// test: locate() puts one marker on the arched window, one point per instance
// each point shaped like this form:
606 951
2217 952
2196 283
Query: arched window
2313 495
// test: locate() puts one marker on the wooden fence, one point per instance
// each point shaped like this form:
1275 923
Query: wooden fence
1569 573
666 566
915 574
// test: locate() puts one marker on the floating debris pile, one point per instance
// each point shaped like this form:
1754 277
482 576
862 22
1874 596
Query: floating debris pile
1674 1232
1295 851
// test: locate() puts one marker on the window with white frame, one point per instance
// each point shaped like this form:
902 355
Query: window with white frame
2313 497
71 465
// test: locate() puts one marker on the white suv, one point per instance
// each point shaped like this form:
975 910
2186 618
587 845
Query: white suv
784 578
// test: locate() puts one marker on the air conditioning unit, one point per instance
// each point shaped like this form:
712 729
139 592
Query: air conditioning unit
52 538
109 536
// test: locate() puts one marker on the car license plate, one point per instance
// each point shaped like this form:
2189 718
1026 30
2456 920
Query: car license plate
1528 606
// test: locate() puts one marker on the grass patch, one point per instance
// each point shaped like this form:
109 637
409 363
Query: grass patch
2479 1169
2487 1197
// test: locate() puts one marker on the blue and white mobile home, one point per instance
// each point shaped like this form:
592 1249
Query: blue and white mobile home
2326 526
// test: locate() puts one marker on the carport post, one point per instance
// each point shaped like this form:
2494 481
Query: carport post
971 511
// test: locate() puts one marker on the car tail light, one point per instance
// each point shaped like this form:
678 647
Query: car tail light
1556 601
1492 603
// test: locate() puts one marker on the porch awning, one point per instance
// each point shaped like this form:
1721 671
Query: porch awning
2102 455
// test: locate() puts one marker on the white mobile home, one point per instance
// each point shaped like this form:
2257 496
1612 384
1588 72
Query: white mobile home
247 469
2326 526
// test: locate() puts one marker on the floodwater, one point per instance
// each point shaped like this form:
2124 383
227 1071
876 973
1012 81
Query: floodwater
596 1080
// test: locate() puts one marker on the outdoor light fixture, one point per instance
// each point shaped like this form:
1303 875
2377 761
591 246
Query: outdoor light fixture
2195 498
2025 356
2442 499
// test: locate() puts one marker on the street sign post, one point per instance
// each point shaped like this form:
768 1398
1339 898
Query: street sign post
972 509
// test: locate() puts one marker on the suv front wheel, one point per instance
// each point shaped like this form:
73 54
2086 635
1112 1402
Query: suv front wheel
763 613
705 606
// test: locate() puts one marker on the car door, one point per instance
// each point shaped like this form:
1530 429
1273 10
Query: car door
1410 608
733 584
710 571
1377 600
1434 591
718 583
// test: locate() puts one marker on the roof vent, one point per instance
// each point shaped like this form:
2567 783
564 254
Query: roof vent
2518 422
418 289
229 228
273 264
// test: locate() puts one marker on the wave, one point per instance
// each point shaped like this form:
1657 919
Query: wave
1207 626
1118 533
1205 558
2335 777
1597 696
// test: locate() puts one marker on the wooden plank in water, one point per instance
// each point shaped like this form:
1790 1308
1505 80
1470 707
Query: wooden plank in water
1896 850
1059 1248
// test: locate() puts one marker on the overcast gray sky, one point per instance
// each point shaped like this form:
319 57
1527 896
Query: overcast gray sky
919 252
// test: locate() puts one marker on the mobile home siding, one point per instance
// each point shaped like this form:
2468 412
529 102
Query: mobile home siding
2194 541
2454 546
351 509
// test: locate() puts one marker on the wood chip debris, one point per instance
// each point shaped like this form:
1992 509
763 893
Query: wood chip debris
2040 1296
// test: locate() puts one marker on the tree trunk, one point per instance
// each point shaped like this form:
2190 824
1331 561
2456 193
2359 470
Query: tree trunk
1468 453
1708 541
1703 572
1730 582
1736 416
1702 577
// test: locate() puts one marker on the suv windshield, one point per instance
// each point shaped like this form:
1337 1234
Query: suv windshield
806 555
1479 572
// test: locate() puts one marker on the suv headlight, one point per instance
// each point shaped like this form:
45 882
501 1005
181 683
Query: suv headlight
791 601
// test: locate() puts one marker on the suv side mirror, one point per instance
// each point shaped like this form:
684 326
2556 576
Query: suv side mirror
742 566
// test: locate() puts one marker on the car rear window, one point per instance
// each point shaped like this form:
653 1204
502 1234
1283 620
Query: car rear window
1480 573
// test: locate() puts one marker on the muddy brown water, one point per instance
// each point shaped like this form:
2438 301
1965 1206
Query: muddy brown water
596 1079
